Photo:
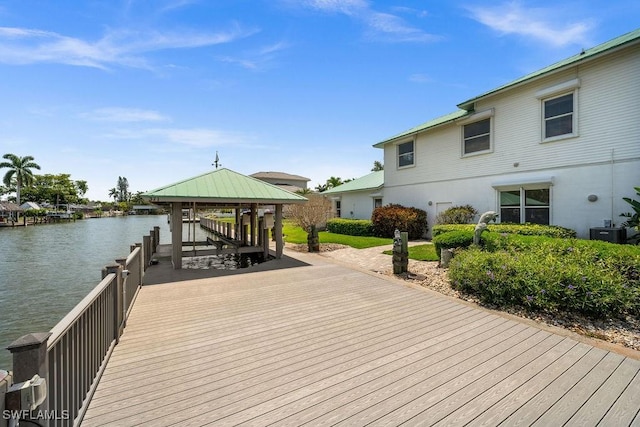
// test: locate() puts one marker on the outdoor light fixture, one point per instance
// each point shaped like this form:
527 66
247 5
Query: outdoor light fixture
28 395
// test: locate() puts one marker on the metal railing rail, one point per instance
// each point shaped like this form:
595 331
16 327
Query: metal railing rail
73 355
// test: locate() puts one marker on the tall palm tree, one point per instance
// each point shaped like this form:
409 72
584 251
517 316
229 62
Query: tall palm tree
19 170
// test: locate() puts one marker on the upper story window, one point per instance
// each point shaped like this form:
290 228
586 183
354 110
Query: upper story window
558 116
476 133
559 110
477 137
406 154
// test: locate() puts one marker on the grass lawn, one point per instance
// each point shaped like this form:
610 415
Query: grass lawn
420 252
295 234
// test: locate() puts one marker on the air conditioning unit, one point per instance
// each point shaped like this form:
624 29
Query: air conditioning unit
608 234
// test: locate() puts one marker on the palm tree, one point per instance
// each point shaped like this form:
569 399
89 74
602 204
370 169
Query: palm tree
334 182
19 170
113 192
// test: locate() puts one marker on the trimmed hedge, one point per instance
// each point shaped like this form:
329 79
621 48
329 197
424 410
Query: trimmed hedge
594 278
521 229
452 239
350 227
386 219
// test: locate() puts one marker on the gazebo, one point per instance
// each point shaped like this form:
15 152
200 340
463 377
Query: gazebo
222 189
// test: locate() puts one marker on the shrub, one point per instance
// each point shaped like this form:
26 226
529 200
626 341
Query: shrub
521 229
634 218
386 219
452 239
594 278
457 215
350 227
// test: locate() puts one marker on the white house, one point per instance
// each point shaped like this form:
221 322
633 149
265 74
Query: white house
558 146
29 205
283 180
357 198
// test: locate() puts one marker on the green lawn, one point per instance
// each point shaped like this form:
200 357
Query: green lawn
421 252
295 234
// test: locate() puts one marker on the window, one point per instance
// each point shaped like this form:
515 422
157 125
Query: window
559 110
477 137
405 154
558 116
525 205
338 209
377 203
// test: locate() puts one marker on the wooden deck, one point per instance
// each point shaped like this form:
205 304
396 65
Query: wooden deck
325 345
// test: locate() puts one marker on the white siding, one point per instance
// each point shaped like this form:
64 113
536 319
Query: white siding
604 159
357 204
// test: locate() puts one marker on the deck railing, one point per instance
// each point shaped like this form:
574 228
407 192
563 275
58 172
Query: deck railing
73 355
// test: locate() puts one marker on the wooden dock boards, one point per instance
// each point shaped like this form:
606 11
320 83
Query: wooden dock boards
327 345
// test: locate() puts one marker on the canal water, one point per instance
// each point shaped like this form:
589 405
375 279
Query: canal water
45 270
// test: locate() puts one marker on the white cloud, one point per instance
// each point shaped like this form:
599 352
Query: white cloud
420 78
192 137
348 7
545 24
394 28
116 48
116 114
380 25
257 59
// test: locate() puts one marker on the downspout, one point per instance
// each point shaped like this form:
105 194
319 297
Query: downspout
612 185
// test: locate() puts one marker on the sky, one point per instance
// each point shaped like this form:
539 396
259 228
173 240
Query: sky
151 90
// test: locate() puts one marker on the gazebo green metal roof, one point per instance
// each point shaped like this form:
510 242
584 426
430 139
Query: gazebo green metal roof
223 186
372 181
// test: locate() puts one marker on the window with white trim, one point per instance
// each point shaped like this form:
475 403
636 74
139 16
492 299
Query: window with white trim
559 110
558 116
525 205
377 202
338 209
476 137
405 154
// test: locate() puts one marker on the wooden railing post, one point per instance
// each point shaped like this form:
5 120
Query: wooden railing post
118 298
141 258
123 286
146 249
156 239
30 357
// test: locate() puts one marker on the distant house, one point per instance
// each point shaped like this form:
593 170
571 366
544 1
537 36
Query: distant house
558 146
357 198
9 211
283 180
29 205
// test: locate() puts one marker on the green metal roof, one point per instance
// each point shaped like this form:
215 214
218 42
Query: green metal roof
466 107
420 128
223 186
585 55
372 181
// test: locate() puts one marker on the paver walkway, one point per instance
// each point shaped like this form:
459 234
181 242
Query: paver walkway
323 344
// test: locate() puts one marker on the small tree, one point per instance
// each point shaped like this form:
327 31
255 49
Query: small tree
314 213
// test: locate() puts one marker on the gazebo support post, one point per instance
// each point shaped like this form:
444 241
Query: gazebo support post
176 235
278 231
254 215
